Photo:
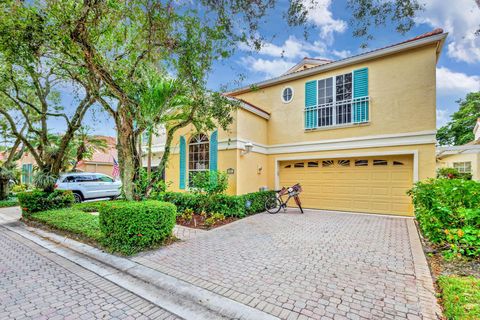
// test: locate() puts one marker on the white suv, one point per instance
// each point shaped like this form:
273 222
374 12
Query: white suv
89 185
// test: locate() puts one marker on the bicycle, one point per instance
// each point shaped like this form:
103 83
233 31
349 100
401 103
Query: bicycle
274 204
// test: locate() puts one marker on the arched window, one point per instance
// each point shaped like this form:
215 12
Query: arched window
198 155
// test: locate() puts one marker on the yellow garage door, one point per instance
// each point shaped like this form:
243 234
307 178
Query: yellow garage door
364 184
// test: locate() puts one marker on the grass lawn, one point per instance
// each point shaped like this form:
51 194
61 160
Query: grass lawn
71 220
460 297
11 202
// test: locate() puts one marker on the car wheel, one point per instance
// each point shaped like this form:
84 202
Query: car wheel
78 197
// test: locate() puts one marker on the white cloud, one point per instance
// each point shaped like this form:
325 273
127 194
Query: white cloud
460 18
292 48
320 15
342 54
270 68
456 83
442 117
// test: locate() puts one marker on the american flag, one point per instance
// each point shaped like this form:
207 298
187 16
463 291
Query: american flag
116 169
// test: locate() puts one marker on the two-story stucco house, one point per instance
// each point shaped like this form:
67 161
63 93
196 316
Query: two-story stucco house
355 133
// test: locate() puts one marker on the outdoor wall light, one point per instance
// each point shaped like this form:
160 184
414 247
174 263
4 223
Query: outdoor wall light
247 148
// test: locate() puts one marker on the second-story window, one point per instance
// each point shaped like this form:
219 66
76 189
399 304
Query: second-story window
338 100
343 96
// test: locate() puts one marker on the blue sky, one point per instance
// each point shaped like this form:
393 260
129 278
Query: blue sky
458 70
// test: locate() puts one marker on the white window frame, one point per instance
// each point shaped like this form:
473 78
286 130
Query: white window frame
281 94
333 104
461 166
207 167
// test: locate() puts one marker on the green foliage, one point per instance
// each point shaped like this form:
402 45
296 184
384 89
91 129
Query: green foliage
37 200
213 219
45 180
448 212
187 215
452 173
229 206
130 227
371 13
92 206
10 202
255 201
459 130
19 188
460 297
143 181
71 220
210 182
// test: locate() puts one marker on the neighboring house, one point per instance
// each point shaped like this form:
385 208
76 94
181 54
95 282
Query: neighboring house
356 133
158 147
464 158
100 161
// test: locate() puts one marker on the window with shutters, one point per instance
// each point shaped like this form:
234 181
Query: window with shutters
198 156
339 100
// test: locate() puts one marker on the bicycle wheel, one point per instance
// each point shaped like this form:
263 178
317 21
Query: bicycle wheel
273 205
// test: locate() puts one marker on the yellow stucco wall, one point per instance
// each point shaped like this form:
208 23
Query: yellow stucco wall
474 158
401 88
402 92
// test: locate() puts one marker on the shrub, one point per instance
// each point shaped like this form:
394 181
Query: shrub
37 200
130 227
19 188
71 220
255 201
210 182
183 200
92 206
214 218
448 213
229 206
452 173
11 202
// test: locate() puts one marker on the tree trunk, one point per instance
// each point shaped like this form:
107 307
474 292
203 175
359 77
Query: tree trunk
149 156
4 189
128 158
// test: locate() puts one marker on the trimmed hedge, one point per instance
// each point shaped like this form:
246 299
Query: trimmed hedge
71 220
130 227
448 213
229 206
37 200
11 202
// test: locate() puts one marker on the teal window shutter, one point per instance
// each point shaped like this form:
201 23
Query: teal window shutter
213 156
311 112
183 158
360 95
214 151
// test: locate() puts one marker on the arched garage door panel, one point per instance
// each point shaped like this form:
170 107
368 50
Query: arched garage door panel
368 184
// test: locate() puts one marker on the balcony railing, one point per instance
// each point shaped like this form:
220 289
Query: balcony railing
338 113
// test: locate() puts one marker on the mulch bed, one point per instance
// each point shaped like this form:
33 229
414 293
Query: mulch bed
439 266
198 222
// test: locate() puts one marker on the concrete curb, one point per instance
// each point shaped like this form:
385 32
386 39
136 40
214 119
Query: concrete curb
174 295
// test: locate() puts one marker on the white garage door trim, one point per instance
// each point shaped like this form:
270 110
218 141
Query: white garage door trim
349 155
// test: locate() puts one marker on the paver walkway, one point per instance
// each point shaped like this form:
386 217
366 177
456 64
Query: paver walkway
317 265
38 284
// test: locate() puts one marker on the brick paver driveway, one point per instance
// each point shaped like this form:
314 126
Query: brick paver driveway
316 265
38 284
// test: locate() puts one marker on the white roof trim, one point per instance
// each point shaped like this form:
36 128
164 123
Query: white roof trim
345 62
305 61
